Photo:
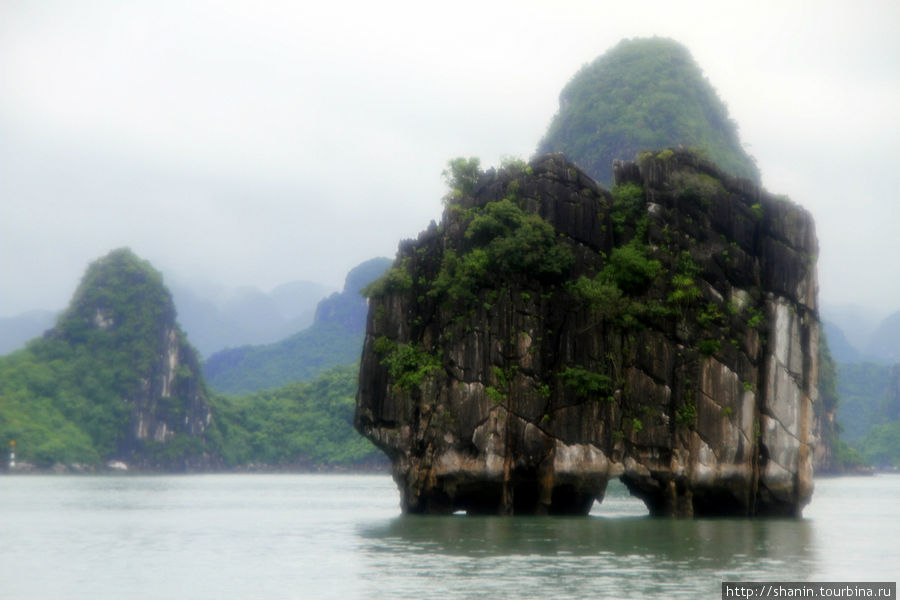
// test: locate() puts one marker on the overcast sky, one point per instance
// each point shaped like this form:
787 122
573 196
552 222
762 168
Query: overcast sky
255 143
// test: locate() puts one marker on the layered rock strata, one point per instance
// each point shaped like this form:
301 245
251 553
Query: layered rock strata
550 335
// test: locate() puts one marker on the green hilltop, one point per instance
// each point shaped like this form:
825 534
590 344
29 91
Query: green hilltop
643 94
115 379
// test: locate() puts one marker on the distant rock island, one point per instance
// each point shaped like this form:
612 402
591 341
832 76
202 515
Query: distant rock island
115 377
549 335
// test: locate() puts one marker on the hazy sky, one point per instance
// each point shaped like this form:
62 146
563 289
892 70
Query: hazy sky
255 143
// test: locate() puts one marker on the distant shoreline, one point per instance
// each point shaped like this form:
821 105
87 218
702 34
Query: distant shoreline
377 467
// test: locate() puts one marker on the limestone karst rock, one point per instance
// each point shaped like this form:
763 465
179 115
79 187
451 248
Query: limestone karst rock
550 335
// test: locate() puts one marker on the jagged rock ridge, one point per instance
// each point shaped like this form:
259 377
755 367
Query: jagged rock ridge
550 335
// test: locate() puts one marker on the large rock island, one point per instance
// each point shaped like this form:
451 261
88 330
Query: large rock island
550 335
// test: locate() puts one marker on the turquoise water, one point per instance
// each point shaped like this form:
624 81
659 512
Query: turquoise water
342 536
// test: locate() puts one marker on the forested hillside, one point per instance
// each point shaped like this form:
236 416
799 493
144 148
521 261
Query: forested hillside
869 411
867 385
301 425
117 380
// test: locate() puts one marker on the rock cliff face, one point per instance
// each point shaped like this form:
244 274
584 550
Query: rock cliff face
550 335
169 401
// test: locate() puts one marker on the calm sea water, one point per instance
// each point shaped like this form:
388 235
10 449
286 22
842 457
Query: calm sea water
342 536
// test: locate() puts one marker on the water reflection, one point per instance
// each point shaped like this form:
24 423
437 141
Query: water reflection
716 540
334 536
595 557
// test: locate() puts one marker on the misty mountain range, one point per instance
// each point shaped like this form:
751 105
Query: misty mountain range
334 339
853 336
214 319
246 315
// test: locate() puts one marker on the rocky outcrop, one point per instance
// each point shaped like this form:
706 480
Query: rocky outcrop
550 335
